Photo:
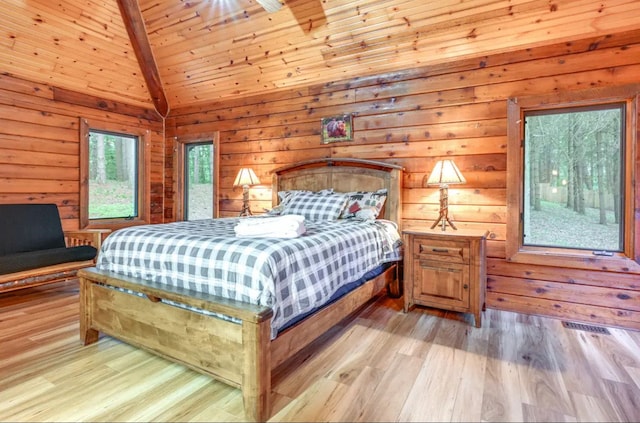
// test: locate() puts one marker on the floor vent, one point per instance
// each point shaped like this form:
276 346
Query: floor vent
588 328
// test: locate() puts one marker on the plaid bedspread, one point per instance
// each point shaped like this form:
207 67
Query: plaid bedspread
292 276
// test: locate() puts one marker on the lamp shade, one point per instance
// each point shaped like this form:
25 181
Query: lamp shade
445 172
246 176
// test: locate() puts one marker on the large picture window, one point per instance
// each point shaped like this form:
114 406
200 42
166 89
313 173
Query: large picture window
570 180
113 175
574 177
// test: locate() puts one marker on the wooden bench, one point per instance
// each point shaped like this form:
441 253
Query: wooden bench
34 250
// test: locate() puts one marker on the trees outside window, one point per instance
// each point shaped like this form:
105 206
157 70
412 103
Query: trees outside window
113 175
198 190
197 165
573 184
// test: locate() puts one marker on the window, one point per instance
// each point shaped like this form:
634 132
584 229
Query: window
570 180
197 164
113 175
573 177
198 190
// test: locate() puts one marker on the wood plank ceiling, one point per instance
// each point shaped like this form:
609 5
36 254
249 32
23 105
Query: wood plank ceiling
209 50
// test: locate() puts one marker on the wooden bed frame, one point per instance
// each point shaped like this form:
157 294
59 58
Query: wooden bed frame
241 355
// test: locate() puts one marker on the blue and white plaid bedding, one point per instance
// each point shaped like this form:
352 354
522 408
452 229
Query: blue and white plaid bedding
292 276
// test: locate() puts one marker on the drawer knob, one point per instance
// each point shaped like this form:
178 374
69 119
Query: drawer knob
465 286
440 250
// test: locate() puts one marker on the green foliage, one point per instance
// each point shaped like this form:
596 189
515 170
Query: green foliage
111 200
577 151
116 149
200 163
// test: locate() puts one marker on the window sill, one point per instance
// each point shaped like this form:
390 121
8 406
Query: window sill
578 260
114 224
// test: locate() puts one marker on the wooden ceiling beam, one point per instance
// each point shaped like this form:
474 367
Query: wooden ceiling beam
133 21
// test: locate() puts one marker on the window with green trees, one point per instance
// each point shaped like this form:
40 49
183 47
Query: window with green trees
198 190
573 184
114 174
196 176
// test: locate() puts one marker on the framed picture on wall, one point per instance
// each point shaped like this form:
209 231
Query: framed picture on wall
336 129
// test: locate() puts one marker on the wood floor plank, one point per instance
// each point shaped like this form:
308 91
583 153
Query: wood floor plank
16 395
603 360
434 390
502 396
392 391
313 403
352 403
468 404
381 365
533 413
541 380
578 379
590 408
173 392
625 398
420 330
634 374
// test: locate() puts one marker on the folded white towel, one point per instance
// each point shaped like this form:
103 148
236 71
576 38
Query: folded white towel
286 226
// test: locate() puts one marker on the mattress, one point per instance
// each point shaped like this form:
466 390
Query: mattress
292 276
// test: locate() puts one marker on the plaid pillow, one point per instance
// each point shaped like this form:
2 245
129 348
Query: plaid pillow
285 196
314 206
362 200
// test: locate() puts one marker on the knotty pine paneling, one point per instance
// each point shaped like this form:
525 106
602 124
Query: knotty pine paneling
415 117
39 145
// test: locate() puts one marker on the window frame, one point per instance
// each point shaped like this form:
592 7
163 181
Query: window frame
182 143
626 261
143 193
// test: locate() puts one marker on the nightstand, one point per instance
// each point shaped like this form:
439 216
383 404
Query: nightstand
445 269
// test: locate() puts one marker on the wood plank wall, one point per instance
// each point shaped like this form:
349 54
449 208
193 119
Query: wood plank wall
412 119
40 149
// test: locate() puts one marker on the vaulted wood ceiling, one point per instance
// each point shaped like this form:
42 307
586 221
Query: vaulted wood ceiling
206 50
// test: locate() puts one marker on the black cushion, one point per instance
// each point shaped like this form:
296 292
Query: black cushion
34 259
29 227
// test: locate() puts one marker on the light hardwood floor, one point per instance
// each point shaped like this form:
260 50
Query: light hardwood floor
383 365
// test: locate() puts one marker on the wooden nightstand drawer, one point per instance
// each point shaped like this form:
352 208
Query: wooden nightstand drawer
441 250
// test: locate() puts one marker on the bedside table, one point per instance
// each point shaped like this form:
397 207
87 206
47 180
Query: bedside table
445 269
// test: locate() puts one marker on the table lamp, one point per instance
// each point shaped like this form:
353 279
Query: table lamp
444 174
245 178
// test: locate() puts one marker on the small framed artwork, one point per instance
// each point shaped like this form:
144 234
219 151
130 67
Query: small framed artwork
336 128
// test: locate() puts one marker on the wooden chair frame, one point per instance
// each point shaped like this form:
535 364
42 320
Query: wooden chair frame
57 272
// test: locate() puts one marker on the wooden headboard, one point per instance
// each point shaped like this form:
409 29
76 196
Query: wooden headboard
344 175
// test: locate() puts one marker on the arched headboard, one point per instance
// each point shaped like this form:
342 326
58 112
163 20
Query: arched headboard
344 175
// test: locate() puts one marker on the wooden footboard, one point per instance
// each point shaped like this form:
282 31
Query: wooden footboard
239 354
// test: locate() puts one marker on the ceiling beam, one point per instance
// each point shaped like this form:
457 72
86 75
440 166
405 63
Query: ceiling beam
133 21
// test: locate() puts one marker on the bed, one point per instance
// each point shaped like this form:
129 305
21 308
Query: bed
241 348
